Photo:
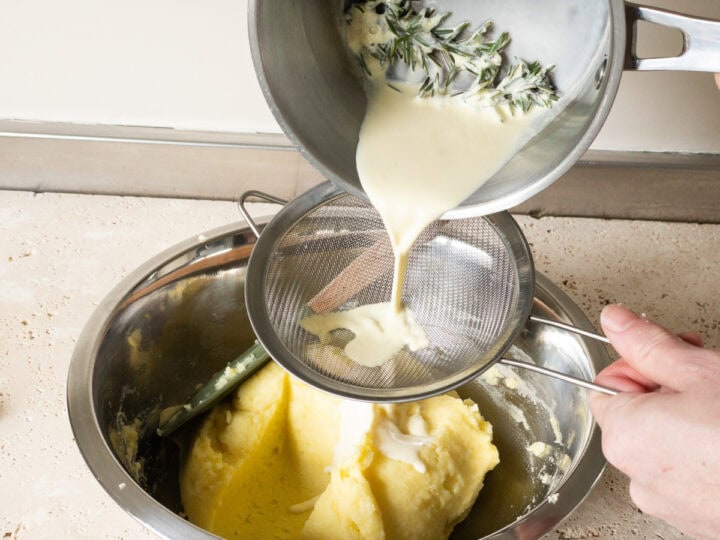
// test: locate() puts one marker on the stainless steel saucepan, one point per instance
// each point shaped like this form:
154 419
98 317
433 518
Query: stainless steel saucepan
314 90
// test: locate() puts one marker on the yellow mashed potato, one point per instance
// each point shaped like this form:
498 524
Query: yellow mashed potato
264 466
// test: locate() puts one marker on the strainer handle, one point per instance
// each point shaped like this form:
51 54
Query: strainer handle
570 328
558 375
256 195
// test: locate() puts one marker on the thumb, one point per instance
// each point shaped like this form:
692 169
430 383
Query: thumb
653 351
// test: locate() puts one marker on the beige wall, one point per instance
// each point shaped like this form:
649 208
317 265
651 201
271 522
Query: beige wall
186 64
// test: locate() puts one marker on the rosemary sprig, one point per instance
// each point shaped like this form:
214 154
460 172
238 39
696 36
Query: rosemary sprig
524 85
527 85
413 35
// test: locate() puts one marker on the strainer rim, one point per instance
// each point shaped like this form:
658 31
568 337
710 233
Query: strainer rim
503 223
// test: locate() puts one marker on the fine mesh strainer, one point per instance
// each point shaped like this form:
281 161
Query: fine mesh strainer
469 283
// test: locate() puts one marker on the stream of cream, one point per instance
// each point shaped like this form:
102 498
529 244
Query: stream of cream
416 158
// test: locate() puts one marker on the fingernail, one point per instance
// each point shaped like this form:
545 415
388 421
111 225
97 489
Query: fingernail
616 318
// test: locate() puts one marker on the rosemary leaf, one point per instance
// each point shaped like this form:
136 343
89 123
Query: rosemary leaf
416 38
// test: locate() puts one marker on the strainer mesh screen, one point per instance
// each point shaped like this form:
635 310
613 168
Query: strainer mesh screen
462 286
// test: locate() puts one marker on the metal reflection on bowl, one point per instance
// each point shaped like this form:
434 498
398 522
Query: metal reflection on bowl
181 317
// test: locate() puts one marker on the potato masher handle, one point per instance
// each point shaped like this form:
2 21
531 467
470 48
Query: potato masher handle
256 195
558 375
701 40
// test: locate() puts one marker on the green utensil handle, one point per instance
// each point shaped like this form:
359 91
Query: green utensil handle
219 386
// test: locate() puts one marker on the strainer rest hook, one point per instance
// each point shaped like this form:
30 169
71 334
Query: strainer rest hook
242 201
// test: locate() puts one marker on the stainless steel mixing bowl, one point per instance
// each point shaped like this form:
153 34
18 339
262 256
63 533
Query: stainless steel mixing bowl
316 95
181 316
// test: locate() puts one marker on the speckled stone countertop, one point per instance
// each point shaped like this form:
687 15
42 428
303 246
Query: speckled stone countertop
61 254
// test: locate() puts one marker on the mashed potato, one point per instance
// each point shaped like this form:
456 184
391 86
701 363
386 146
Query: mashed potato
282 460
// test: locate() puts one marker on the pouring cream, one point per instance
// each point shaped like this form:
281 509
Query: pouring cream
417 158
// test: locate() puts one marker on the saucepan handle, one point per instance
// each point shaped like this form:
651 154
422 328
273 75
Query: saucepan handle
701 41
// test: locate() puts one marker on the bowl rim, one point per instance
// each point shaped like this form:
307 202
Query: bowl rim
128 494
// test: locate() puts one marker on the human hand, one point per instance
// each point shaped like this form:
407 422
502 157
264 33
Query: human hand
663 429
717 79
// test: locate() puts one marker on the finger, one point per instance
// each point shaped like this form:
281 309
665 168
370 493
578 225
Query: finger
651 350
693 338
622 376
717 79
630 425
